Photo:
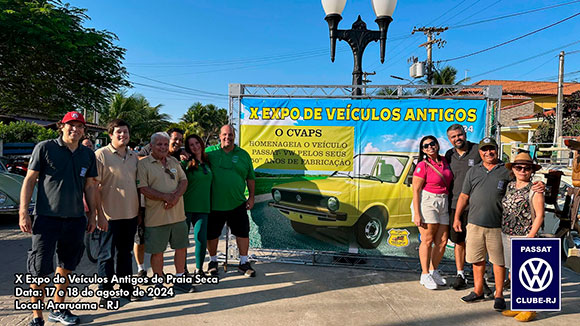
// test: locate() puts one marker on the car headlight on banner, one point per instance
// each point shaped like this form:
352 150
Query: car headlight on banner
3 198
332 203
277 195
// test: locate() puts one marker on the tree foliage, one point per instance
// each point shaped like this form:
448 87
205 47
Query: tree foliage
570 121
50 63
138 112
444 76
25 132
392 91
204 120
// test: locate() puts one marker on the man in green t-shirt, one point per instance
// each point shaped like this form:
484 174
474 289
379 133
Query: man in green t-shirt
232 171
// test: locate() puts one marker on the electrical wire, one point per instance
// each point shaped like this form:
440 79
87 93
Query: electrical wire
181 87
464 10
169 90
513 15
445 13
510 41
491 5
526 59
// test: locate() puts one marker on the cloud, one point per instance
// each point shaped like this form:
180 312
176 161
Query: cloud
387 138
409 143
369 148
412 144
445 145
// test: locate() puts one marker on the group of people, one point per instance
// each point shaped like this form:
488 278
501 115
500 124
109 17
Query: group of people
471 197
140 201
145 201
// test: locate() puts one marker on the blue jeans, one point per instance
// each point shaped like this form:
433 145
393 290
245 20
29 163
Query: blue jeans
199 221
118 239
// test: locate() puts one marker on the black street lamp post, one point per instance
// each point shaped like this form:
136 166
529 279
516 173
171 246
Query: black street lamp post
358 37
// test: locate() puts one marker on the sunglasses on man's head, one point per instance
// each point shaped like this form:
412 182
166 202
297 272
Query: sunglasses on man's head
432 144
526 168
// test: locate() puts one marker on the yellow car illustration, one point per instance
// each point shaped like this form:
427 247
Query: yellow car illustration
374 196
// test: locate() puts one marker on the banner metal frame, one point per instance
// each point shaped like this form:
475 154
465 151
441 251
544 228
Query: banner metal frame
491 94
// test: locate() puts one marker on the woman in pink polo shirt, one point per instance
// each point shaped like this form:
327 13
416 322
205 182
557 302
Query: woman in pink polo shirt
431 181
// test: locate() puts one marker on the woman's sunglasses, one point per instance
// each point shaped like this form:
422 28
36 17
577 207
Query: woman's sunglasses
432 144
526 168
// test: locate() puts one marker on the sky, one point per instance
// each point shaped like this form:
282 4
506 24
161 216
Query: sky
184 51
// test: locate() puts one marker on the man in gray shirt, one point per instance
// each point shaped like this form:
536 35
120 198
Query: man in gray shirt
461 158
484 188
65 171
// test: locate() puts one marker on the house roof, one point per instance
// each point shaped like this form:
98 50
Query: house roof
530 87
516 105
546 113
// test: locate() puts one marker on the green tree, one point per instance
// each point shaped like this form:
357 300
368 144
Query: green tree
391 91
50 63
570 121
25 132
205 120
138 112
444 76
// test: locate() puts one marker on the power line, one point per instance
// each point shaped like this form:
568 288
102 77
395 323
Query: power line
510 41
491 5
182 87
445 13
526 59
513 15
464 10
194 96
537 67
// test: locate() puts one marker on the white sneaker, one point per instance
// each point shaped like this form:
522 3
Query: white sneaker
439 280
428 282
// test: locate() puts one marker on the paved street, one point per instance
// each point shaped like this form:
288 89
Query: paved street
290 294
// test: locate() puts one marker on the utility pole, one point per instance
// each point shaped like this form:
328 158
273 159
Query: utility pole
559 108
365 81
430 32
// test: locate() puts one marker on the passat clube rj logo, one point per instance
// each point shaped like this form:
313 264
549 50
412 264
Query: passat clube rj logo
536 274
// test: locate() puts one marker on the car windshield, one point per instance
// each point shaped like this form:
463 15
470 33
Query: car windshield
381 168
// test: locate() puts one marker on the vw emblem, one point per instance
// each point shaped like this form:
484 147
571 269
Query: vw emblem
536 274
298 198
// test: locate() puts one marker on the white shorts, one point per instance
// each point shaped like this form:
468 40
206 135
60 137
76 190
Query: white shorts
434 208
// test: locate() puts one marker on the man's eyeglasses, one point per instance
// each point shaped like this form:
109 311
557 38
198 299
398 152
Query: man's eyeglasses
170 173
526 168
432 144
488 149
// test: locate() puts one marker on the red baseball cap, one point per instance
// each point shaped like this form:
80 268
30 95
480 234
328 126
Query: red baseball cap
73 116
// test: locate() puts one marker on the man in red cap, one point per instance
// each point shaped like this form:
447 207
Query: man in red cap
65 172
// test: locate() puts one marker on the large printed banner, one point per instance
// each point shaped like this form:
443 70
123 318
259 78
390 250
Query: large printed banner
336 174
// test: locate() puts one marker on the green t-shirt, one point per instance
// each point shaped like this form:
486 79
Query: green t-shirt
230 172
197 196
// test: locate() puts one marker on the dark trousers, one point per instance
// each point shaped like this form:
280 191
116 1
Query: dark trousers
118 239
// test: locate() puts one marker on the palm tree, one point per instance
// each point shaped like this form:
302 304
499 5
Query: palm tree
205 120
138 112
443 76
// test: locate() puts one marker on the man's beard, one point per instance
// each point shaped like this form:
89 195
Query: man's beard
459 146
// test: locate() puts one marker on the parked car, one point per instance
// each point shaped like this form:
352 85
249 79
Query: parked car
375 196
10 185
17 165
